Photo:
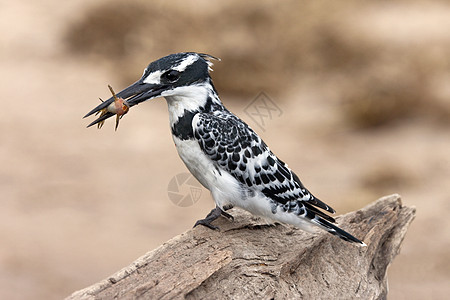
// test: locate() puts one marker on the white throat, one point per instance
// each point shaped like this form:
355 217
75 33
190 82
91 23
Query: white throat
189 98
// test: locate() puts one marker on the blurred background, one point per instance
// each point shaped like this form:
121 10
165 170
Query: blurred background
363 95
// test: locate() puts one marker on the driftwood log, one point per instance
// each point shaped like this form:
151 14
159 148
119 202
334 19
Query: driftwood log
250 259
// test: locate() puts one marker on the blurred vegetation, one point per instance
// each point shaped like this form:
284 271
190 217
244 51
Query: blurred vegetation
268 46
386 179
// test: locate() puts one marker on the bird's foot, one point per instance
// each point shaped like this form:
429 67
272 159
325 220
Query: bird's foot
213 215
227 207
206 223
227 215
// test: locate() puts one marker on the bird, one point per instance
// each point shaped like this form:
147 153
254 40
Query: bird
221 151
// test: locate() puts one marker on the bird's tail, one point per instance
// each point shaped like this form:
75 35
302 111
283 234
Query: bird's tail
334 230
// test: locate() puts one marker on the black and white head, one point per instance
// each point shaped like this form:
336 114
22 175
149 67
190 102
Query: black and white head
181 77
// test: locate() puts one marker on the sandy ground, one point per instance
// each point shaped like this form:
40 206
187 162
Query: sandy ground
77 204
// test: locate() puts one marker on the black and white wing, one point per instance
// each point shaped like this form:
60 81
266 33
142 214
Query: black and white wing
236 148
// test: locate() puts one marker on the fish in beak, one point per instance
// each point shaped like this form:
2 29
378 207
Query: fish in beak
120 103
118 107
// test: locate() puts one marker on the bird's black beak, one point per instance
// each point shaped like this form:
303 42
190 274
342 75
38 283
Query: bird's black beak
133 95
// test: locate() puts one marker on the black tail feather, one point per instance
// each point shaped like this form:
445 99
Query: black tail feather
308 206
337 231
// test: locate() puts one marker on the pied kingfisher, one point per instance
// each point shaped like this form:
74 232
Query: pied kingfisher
220 150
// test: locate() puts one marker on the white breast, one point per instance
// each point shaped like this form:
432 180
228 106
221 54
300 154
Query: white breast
196 161
224 188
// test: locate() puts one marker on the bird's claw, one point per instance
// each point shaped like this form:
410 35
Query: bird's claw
206 224
227 215
214 214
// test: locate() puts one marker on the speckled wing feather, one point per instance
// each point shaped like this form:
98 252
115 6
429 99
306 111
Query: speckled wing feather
236 148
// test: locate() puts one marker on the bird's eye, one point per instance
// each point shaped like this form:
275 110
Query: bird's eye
172 75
